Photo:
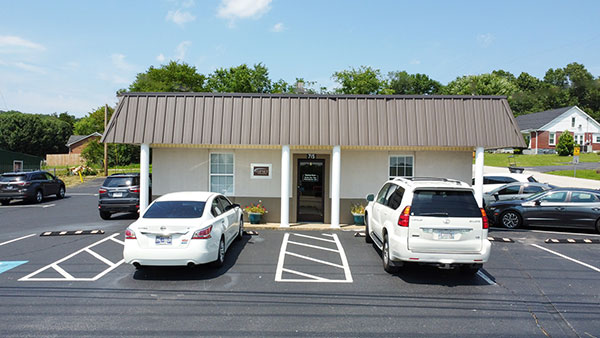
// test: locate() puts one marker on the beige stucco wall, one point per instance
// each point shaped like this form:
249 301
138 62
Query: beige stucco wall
363 172
449 164
245 185
179 169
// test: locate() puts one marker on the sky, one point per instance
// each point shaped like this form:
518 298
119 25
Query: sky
72 56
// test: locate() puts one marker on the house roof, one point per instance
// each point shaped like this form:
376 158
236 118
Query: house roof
535 121
314 120
76 138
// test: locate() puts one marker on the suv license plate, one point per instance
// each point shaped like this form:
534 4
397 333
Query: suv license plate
117 194
163 240
445 235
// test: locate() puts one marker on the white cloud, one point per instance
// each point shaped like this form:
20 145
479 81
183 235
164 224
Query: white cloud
180 17
161 58
30 68
278 27
181 50
119 62
114 78
188 3
415 62
485 40
15 41
241 9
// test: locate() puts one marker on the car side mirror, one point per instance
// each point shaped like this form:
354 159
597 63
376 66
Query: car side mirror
235 205
537 202
496 196
370 197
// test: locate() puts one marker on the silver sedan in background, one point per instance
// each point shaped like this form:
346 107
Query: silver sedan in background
514 191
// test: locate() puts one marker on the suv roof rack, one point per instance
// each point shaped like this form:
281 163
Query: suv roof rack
425 178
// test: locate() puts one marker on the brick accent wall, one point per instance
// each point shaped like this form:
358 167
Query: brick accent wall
77 147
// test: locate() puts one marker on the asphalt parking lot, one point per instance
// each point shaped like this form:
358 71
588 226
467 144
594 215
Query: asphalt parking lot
276 283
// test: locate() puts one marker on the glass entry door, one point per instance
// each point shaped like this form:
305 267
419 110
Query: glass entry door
311 183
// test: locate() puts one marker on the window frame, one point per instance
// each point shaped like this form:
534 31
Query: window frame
210 174
573 122
21 166
552 139
389 165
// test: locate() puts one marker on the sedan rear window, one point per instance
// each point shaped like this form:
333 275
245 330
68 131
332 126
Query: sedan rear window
175 209
444 203
13 178
114 182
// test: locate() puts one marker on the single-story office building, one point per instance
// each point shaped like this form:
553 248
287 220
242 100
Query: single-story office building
307 158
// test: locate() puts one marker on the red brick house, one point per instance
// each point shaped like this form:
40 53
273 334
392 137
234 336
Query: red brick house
77 143
543 129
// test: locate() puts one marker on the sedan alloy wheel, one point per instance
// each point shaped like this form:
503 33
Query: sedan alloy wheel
511 220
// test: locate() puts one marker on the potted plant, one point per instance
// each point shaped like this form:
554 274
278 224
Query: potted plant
255 212
358 211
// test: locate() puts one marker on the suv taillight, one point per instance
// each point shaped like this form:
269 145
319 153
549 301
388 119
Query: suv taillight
23 184
134 189
102 191
404 216
484 218
129 234
202 233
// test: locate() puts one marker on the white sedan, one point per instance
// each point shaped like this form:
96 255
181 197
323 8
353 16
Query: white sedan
184 228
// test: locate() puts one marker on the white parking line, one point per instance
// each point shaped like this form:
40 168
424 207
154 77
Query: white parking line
81 194
564 233
28 206
567 257
68 277
16 239
309 277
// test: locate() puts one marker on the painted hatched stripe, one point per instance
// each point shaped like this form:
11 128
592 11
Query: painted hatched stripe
70 233
572 241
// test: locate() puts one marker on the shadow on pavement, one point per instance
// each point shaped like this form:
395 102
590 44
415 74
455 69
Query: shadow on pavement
198 272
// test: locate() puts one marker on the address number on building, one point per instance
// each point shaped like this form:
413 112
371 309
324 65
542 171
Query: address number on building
311 156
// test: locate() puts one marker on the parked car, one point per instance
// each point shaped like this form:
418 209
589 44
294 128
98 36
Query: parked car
184 228
32 186
428 220
560 207
493 181
120 193
514 191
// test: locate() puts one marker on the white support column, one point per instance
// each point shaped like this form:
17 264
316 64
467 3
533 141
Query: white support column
144 176
537 140
285 187
478 187
336 172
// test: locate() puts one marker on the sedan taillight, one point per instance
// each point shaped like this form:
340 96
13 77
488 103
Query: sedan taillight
129 234
202 233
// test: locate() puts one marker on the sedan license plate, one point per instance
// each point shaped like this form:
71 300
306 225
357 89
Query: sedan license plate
117 194
445 235
163 240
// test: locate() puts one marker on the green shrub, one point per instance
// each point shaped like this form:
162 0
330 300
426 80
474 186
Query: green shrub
565 144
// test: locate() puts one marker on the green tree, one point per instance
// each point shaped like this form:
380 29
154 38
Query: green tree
484 84
565 144
240 79
172 77
93 153
412 84
93 122
34 134
364 80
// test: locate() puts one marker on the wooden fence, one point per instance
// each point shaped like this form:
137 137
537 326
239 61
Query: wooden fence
64 159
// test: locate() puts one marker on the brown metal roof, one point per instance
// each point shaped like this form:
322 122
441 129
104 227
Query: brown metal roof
314 120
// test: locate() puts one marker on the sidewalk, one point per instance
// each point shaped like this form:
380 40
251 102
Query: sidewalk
559 181
303 227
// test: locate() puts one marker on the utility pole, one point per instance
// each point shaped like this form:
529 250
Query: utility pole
105 144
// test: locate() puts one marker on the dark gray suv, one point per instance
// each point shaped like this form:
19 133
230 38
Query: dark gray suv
119 193
32 186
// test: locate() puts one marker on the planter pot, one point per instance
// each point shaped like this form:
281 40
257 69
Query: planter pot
254 217
359 219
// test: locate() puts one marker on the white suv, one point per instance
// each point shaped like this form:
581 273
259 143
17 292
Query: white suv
428 220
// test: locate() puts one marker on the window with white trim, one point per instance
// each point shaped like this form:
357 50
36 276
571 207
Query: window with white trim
552 139
221 173
401 166
572 122
597 138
